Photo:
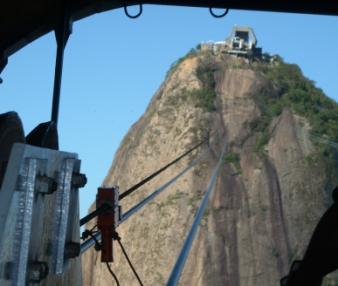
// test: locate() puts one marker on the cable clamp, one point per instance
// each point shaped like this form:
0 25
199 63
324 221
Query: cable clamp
108 221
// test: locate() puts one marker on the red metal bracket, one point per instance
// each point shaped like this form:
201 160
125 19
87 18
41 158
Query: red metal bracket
108 220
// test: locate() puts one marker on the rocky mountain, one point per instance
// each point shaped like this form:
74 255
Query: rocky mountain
275 181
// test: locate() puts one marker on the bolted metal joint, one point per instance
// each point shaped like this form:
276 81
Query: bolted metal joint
79 180
107 221
37 271
45 184
72 250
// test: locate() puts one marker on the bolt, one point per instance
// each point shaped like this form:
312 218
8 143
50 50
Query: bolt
79 180
45 184
72 250
37 271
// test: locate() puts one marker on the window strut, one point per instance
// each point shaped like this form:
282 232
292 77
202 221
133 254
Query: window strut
62 33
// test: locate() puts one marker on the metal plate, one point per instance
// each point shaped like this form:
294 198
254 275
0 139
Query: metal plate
39 216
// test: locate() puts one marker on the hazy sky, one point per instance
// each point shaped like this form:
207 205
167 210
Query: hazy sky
113 65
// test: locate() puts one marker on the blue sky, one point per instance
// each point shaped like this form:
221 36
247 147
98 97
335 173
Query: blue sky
113 66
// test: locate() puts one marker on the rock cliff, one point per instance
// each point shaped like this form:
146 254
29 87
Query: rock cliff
274 184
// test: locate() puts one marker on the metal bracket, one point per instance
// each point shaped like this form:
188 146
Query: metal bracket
39 217
108 220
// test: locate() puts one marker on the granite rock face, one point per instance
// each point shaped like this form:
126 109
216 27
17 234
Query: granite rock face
267 200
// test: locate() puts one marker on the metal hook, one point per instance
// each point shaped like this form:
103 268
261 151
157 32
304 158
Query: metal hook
133 16
218 16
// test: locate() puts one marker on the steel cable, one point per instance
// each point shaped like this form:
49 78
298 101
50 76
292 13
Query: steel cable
153 175
149 198
90 242
132 189
183 255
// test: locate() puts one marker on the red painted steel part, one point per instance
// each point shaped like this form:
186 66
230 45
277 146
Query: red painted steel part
105 222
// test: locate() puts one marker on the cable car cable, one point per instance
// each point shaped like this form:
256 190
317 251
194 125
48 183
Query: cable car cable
132 189
180 262
89 217
90 242
149 198
147 179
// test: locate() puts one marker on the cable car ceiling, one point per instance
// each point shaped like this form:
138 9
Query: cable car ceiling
21 22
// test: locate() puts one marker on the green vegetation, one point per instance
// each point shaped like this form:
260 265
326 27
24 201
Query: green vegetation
192 53
233 158
204 221
206 213
290 88
171 200
262 140
196 198
203 98
302 96
205 72
311 159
